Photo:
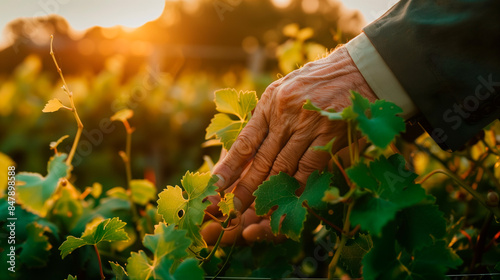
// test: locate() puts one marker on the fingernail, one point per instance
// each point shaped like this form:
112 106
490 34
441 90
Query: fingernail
221 183
237 204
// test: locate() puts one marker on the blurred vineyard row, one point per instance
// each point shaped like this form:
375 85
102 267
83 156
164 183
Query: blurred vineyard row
170 114
170 118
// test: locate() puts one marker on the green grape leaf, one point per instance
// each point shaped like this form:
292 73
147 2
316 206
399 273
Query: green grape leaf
187 270
226 204
118 271
167 243
419 226
35 191
109 207
238 104
386 260
187 211
225 128
377 121
23 219
140 267
143 191
67 207
326 148
381 261
353 253
432 262
349 114
391 188
36 248
107 230
118 192
70 277
372 213
330 114
279 191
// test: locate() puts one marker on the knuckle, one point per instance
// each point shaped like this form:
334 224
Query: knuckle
308 125
278 167
307 166
262 163
281 166
284 163
244 145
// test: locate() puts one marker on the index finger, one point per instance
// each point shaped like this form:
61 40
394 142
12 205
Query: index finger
243 149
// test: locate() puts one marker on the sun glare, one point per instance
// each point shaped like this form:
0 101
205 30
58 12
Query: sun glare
281 3
126 13
83 14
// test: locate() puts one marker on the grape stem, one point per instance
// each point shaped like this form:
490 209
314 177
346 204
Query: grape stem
479 248
207 258
227 260
475 194
213 217
345 235
349 141
72 108
99 259
310 210
128 169
493 241
342 170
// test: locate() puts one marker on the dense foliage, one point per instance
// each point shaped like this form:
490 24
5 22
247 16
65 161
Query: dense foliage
383 210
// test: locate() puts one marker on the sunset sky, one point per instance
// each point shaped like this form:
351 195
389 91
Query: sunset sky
82 14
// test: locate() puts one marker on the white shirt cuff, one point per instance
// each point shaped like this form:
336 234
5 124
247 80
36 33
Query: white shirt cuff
378 75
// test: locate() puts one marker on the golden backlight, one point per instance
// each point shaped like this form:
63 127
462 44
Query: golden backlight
83 14
126 13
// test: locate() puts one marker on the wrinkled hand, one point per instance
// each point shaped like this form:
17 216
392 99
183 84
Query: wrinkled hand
280 133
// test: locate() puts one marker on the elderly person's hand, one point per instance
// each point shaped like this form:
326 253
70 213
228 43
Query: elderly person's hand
280 132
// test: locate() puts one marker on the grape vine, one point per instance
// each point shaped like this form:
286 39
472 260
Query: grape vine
375 218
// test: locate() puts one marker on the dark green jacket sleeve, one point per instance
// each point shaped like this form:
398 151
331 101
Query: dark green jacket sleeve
446 55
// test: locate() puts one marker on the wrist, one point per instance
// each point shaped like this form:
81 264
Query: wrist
359 84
